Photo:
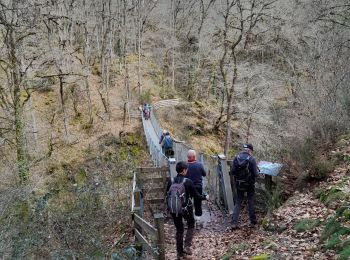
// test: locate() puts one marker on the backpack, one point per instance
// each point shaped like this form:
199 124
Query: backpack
243 175
176 197
168 142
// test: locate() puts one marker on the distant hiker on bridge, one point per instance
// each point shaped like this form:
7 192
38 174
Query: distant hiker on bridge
146 111
179 192
196 173
166 141
244 170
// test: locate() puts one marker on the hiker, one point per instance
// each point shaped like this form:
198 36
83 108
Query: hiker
146 111
179 193
245 170
196 173
162 136
167 145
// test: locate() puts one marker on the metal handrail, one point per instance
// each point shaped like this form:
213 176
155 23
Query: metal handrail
155 123
158 157
210 162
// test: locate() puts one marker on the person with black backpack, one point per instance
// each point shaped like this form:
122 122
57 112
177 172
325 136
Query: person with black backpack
179 192
245 170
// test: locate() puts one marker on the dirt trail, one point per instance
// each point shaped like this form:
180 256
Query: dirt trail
217 241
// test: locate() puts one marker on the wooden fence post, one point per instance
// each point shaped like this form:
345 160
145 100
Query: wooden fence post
232 180
268 183
227 183
159 222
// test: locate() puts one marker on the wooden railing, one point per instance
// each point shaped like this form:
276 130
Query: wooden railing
150 238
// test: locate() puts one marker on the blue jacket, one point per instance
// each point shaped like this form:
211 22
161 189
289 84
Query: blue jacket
196 173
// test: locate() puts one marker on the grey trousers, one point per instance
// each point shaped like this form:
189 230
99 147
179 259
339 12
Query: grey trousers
251 205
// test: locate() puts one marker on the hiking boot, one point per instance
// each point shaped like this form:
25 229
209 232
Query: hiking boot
251 225
187 250
234 227
180 257
199 225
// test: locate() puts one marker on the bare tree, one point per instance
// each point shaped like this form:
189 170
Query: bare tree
17 25
239 20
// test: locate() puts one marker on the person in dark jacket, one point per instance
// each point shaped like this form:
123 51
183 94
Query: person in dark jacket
196 173
246 154
190 191
162 136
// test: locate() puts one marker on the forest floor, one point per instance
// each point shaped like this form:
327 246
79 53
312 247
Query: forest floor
307 226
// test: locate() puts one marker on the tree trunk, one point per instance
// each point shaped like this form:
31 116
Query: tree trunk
173 44
228 124
126 73
63 108
103 57
139 77
22 163
34 127
87 88
229 109
75 101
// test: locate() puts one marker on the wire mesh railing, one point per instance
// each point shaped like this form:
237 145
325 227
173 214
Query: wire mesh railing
213 183
155 124
217 183
158 157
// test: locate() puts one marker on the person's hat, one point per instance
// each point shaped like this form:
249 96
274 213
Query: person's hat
249 146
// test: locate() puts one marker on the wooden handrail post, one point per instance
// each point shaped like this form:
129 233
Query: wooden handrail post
138 243
227 183
159 221
172 166
232 180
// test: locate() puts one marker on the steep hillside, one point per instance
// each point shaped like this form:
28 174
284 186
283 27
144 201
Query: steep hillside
77 201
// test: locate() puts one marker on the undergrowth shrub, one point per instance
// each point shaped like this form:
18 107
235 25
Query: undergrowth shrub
96 69
236 249
335 234
326 131
333 196
273 198
146 96
320 169
305 224
79 211
308 154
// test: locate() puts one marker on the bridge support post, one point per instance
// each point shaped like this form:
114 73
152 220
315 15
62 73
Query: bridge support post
159 223
172 167
227 183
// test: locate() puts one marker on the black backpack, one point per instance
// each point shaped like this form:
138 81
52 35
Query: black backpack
243 175
176 197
